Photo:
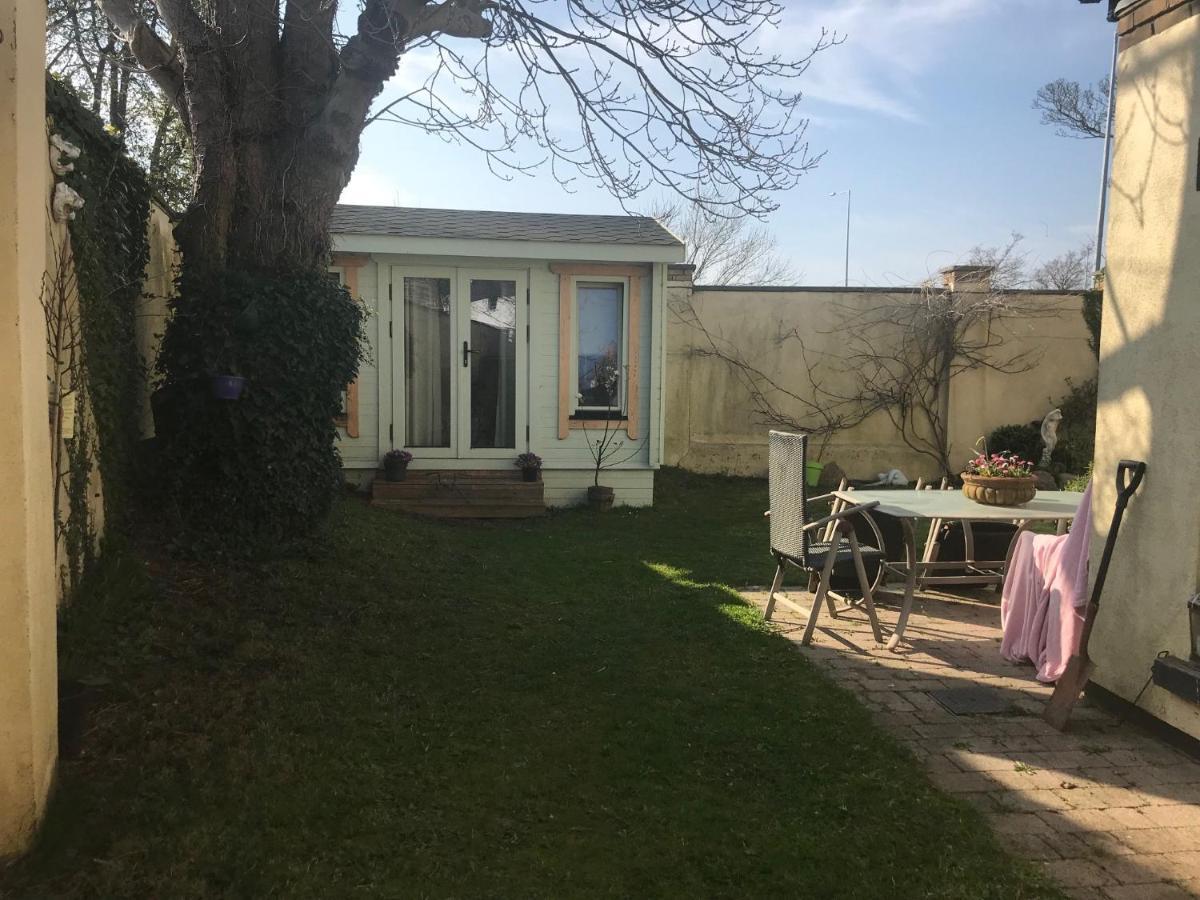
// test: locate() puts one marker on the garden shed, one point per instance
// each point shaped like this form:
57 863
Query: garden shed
498 333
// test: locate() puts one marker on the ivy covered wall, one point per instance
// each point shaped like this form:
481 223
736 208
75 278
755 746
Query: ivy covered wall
94 284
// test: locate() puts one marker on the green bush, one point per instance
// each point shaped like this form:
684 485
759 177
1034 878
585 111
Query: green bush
1093 307
250 474
1076 433
1023 440
1079 482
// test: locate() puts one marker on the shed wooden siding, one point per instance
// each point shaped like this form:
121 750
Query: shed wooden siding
381 401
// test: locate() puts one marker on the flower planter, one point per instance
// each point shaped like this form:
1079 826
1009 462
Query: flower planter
600 497
990 491
531 474
395 469
227 387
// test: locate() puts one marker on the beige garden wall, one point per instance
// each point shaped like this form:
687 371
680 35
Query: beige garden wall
713 426
1148 369
157 289
1057 339
28 661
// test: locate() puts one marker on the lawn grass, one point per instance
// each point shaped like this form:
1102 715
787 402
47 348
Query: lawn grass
576 706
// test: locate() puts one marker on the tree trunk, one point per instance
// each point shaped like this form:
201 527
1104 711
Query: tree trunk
270 169
264 200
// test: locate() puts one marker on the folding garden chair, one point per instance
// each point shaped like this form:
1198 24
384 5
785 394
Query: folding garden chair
794 540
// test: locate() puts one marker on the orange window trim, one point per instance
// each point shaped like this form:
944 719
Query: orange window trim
350 263
565 273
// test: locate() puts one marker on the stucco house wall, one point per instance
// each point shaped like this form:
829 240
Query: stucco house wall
712 425
28 662
1148 360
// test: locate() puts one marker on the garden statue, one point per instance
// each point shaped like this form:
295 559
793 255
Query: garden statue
1049 435
65 202
62 152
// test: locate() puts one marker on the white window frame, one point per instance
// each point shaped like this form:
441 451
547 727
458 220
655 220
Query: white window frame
623 389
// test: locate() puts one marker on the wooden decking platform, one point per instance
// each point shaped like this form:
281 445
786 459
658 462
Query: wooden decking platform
462 494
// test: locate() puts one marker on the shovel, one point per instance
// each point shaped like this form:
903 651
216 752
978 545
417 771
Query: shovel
1079 666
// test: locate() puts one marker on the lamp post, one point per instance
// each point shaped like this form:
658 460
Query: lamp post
848 193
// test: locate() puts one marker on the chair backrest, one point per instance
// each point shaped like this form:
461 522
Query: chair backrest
787 455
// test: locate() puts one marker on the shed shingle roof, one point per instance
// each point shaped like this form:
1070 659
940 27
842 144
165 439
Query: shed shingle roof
471 224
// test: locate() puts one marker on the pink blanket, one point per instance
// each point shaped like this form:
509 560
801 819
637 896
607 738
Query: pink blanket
1045 592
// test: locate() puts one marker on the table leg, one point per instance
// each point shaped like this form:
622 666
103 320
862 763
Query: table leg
910 583
1012 545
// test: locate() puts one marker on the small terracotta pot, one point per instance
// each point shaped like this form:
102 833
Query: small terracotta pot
990 491
600 497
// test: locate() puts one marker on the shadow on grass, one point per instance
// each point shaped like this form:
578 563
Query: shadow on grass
581 706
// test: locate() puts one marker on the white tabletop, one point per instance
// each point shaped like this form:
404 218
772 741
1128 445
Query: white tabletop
954 505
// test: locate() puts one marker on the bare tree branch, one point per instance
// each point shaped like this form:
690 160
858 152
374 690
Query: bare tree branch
1070 271
154 55
1074 110
724 251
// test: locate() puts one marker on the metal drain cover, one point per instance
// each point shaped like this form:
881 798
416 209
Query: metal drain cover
972 701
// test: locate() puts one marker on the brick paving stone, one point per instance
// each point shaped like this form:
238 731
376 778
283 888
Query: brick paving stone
1080 820
1104 843
1160 891
1160 840
970 761
1183 866
1019 823
962 782
1180 773
1102 798
1066 759
1028 846
1168 794
1133 869
1104 775
1173 816
1110 812
1077 873
939 762
1132 818
1029 801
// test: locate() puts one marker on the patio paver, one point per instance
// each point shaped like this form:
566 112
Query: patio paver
1110 811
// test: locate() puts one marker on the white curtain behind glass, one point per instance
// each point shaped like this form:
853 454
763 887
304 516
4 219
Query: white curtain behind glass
493 363
427 361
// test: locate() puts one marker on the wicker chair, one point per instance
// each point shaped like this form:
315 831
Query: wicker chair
793 536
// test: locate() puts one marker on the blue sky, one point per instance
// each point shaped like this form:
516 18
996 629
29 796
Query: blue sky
924 111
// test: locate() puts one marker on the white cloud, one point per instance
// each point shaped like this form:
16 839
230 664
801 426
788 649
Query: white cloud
888 46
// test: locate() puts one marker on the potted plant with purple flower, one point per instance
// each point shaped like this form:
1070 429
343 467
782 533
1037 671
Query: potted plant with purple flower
395 464
227 387
999 479
530 465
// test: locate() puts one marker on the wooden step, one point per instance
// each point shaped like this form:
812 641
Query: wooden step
459 493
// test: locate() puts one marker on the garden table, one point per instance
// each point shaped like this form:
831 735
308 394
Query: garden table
909 506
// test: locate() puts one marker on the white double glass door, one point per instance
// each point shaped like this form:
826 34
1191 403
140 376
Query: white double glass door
459 354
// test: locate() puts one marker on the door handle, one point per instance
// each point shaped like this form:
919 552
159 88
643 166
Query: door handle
467 351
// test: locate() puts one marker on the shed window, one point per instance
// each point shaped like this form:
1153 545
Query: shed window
600 346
